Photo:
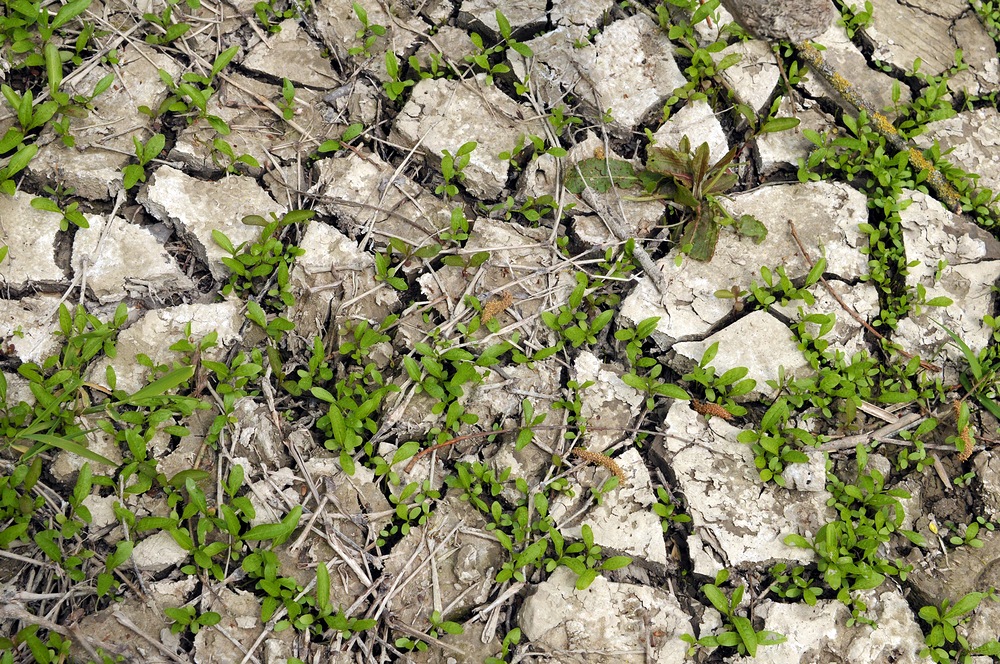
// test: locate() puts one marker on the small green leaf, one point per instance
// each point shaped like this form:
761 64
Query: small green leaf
717 598
256 314
220 239
276 531
616 562
585 579
779 124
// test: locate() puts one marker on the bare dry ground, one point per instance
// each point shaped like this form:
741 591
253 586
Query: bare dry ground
495 331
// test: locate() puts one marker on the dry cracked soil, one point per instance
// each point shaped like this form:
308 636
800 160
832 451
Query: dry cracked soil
496 331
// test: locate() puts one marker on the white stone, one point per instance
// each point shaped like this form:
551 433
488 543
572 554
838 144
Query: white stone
339 26
158 552
30 236
846 59
979 52
291 54
902 33
728 504
825 214
633 83
847 334
158 329
753 78
987 468
784 149
697 121
759 342
625 522
609 621
581 15
28 325
102 511
972 141
519 13
104 139
120 259
196 207
443 115
609 403
364 193
821 631
972 265
333 271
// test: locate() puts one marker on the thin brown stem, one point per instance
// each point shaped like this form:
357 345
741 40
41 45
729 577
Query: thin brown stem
850 310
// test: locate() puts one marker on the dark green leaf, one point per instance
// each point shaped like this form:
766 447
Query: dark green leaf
600 175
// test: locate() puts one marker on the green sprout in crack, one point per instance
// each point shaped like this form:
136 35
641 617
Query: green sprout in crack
368 34
946 641
135 173
738 631
261 268
452 169
724 389
486 58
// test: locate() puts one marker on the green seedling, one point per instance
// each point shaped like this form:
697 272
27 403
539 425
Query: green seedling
395 86
287 103
170 30
738 632
368 34
135 173
945 642
452 167
332 145
261 268
487 59
70 214
187 619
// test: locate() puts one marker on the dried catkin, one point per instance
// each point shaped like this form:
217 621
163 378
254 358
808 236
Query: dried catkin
964 434
709 408
497 306
600 460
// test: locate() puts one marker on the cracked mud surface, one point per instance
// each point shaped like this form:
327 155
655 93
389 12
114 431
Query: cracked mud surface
458 290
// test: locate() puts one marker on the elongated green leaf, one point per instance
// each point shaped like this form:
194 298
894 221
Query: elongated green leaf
964 605
154 146
704 11
159 386
67 445
779 124
701 233
20 160
121 554
68 12
276 531
747 634
322 587
53 67
717 598
224 59
46 204
256 314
